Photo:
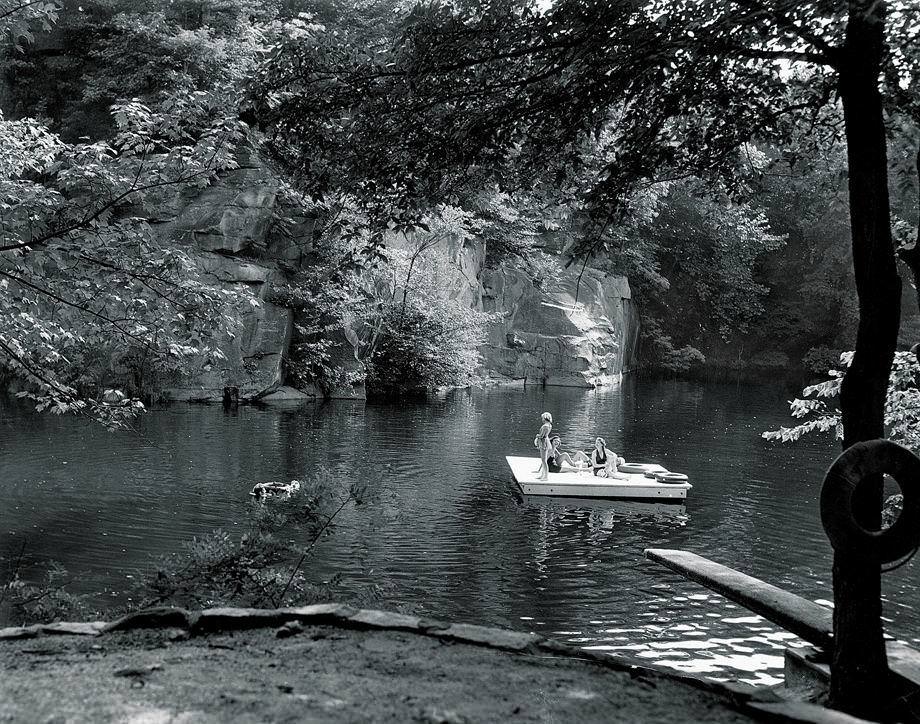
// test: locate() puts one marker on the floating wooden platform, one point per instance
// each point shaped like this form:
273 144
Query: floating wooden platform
611 508
635 486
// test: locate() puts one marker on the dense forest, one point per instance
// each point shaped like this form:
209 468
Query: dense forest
117 110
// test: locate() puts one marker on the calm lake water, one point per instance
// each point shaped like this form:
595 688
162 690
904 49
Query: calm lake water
448 530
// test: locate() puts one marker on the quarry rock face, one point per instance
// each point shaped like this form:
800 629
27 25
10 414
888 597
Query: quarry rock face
254 353
565 332
574 329
570 330
228 229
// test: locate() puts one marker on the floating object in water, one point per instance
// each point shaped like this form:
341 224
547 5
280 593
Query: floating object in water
266 490
583 484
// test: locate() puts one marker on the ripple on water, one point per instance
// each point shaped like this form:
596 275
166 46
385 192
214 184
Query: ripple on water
445 525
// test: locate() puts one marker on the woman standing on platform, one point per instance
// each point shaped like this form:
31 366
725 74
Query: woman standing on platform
543 443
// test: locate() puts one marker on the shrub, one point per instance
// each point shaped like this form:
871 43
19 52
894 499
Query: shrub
902 404
47 601
421 347
263 567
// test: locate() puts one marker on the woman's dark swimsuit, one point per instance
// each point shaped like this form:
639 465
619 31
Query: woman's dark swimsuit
553 464
601 461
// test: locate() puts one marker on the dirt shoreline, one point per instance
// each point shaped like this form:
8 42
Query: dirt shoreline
333 663
324 674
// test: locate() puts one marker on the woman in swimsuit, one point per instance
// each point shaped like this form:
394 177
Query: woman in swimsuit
542 441
557 457
604 462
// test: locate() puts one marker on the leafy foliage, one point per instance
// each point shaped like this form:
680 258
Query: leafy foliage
513 93
90 299
422 332
104 51
263 566
421 347
48 600
902 404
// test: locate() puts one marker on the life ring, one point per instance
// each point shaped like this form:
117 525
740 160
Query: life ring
854 464
632 468
671 478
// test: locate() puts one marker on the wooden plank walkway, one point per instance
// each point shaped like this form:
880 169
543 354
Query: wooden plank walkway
806 619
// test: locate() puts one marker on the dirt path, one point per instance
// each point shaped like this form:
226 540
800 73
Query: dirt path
325 674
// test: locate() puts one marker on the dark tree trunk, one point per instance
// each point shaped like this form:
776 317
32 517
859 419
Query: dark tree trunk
858 684
911 255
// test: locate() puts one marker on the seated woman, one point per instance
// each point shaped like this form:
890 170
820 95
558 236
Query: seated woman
603 461
563 462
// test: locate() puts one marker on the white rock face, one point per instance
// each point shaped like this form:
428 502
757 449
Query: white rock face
568 332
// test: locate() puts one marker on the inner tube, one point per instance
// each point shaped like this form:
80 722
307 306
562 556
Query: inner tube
852 466
632 468
671 478
654 473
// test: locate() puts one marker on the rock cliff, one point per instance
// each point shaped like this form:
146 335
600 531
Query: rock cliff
573 329
570 330
228 229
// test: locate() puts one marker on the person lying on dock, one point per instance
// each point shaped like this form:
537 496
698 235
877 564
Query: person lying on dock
563 462
604 462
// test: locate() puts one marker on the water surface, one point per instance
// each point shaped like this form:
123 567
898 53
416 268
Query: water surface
448 530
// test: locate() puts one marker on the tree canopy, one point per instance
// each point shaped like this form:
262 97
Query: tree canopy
516 93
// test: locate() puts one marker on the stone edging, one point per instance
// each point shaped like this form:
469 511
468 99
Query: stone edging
745 697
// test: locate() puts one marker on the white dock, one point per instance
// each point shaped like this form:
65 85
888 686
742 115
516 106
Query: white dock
586 485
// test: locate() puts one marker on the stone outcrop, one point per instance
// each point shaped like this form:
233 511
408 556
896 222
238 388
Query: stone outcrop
570 332
254 354
229 228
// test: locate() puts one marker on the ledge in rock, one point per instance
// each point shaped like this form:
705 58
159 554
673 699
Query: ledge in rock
19 632
387 620
152 618
286 396
225 619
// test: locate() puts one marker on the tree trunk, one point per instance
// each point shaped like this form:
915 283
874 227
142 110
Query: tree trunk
859 671
911 255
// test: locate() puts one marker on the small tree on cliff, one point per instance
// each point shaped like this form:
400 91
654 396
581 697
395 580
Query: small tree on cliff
517 89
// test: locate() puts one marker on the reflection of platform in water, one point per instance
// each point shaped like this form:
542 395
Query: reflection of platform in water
675 509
